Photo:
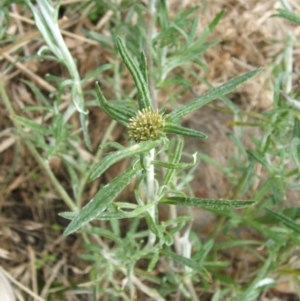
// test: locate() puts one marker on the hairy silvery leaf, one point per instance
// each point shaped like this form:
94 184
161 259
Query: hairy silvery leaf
95 207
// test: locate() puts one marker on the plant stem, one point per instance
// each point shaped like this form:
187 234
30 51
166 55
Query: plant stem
46 21
189 285
144 288
47 13
150 192
152 91
45 166
150 33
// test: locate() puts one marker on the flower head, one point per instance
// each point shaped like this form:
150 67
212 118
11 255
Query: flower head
146 125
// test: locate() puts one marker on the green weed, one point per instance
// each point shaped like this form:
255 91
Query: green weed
125 264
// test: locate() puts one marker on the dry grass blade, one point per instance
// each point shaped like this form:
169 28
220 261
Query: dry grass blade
20 285
53 276
6 291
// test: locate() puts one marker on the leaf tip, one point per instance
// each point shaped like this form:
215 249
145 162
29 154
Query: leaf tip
69 230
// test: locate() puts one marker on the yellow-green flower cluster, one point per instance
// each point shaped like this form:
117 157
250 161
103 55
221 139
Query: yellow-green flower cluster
146 125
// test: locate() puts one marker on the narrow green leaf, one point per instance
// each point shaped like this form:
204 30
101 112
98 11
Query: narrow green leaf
193 30
163 15
142 253
177 223
295 151
290 16
261 193
266 232
32 125
292 212
296 128
187 262
212 94
115 145
174 158
170 165
153 262
95 72
37 109
68 215
174 165
124 205
95 207
108 215
139 211
259 158
216 20
44 29
180 31
40 96
288 222
187 55
116 156
217 296
296 134
73 177
277 190
180 130
153 226
116 112
86 135
102 39
206 203
235 243
138 77
143 66
104 233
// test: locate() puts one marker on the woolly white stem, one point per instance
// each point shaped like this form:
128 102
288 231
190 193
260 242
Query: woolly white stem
150 192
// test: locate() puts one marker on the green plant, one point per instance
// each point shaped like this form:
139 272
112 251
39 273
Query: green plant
148 128
154 147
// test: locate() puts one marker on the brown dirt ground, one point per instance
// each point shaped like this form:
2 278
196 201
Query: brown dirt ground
30 229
